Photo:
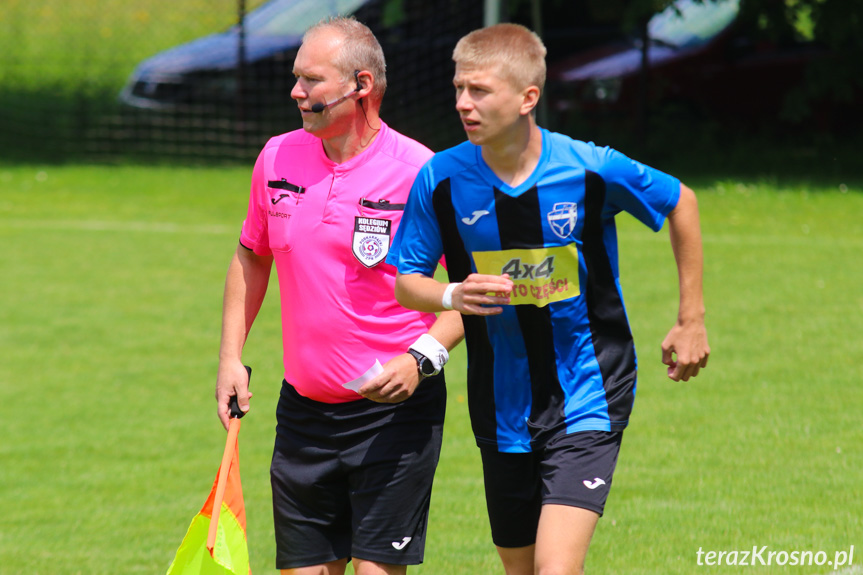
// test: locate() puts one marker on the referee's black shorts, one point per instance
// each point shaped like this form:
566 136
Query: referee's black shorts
355 479
574 470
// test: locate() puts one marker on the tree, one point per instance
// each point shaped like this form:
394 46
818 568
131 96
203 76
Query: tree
834 25
837 25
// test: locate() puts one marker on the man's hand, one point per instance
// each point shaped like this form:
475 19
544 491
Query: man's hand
685 350
398 381
232 380
472 296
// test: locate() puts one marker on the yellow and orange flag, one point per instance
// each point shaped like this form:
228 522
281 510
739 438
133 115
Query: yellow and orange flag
215 543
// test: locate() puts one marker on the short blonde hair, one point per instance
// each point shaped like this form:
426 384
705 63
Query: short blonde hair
360 50
518 53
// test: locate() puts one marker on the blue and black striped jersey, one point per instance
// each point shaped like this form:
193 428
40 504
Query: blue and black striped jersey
560 359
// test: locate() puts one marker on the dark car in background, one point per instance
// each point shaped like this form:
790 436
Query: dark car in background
206 82
240 79
701 63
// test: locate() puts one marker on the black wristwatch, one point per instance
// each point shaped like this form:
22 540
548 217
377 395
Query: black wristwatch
424 364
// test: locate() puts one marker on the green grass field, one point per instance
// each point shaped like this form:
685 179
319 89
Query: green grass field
110 306
94 45
65 63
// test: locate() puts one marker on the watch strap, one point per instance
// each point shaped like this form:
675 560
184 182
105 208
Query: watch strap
431 348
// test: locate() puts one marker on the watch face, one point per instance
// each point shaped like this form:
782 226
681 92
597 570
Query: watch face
424 364
426 367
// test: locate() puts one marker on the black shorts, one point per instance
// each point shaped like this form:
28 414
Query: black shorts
355 479
574 470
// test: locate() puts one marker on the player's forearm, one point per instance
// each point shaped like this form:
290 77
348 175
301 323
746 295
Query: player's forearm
685 233
448 329
419 292
245 288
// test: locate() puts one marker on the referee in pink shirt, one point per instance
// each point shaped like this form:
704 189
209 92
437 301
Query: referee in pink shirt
361 410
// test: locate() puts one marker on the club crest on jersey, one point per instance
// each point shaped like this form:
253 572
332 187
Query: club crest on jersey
562 219
371 241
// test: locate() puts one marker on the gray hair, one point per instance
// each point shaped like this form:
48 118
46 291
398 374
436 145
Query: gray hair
360 50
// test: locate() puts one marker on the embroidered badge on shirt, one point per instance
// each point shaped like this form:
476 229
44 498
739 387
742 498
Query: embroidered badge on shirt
562 219
371 240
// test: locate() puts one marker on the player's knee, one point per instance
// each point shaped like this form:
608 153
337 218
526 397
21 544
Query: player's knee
559 568
374 568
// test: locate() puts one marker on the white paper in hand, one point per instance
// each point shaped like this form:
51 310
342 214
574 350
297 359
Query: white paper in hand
372 372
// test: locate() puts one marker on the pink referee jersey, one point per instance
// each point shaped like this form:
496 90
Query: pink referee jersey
329 228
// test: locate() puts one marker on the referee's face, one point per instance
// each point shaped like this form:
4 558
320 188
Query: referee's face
489 105
319 82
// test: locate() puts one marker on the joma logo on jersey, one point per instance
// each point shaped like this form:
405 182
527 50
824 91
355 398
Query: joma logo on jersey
562 218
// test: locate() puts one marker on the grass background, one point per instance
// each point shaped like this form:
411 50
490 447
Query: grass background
64 64
110 305
95 45
109 324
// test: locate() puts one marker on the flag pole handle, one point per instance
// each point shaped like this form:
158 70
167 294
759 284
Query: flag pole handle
227 456
234 404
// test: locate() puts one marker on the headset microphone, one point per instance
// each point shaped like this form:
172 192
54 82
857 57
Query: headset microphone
320 106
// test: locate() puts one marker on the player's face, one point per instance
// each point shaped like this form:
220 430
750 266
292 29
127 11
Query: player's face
489 106
318 81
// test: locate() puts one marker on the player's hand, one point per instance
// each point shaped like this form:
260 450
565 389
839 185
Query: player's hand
396 383
233 379
478 291
685 350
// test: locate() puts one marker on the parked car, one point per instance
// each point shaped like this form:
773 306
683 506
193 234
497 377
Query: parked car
701 63
203 79
206 81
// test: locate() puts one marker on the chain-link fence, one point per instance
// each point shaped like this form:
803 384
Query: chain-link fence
191 80
211 79
65 63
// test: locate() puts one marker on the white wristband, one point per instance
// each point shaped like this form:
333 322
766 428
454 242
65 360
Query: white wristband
432 349
446 301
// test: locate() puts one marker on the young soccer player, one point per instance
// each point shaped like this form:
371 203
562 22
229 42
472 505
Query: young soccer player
525 218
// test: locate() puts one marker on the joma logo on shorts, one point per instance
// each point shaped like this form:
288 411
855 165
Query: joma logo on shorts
401 545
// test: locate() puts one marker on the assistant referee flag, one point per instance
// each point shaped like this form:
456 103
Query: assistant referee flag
215 543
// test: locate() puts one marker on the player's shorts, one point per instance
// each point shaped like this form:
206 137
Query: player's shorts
574 470
354 479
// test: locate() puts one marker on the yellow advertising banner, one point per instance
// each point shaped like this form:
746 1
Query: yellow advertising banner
540 275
